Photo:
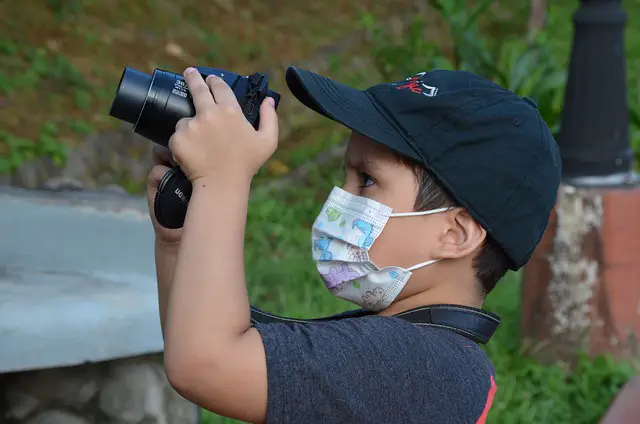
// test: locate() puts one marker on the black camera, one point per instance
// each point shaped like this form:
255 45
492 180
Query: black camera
155 103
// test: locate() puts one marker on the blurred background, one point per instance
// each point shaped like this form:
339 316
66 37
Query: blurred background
61 60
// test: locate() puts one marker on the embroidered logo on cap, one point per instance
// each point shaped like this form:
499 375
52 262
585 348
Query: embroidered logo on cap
415 85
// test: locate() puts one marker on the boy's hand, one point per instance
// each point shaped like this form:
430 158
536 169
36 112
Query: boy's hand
162 161
219 141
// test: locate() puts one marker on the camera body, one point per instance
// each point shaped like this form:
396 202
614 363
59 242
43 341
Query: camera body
155 103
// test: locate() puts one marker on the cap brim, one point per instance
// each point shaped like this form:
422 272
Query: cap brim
348 106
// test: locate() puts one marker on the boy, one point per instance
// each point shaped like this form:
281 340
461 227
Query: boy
450 181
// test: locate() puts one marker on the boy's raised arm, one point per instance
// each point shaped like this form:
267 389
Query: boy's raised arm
213 356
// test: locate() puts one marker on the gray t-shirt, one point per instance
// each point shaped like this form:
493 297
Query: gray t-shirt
374 369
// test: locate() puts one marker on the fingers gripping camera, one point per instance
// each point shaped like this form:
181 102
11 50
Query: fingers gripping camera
155 103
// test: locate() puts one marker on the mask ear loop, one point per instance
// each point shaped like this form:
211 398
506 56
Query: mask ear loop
423 264
439 210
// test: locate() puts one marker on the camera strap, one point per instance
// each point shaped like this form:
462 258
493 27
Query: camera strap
473 323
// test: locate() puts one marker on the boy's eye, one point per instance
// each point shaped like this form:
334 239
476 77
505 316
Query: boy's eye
366 180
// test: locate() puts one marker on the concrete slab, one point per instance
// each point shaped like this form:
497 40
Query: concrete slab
77 279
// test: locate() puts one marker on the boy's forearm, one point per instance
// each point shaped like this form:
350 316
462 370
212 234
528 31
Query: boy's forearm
166 256
208 307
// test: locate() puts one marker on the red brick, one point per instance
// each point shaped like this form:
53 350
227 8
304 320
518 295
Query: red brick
611 321
621 227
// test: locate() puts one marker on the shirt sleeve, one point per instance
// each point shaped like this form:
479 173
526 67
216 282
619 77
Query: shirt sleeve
363 370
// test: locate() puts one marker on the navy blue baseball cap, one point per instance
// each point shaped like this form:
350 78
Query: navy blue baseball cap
488 147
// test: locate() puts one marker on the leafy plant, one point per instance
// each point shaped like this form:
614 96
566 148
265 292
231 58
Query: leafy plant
634 119
50 146
395 59
530 70
65 9
526 67
471 50
18 150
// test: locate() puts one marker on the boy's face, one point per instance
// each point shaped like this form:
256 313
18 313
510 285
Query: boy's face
374 171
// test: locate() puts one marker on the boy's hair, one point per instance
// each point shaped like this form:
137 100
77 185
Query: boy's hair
490 263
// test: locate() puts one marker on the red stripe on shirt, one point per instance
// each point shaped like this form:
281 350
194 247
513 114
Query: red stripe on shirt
487 406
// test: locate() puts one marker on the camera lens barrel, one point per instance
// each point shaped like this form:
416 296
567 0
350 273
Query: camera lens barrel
131 95
168 101
152 103
155 103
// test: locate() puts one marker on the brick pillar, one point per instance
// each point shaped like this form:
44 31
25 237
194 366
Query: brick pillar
581 289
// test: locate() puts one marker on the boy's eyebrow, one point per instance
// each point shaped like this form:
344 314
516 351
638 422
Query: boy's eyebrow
366 163
371 164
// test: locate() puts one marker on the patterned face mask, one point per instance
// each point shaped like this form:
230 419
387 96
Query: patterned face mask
341 237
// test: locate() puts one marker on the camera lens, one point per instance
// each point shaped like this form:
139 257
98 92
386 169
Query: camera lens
130 96
152 103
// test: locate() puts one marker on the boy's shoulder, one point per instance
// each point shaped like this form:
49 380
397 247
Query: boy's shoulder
374 369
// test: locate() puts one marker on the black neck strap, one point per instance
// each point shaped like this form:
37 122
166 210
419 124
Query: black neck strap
473 323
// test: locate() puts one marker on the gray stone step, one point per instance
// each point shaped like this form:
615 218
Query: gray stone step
77 279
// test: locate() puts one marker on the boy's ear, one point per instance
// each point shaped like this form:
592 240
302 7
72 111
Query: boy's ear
462 236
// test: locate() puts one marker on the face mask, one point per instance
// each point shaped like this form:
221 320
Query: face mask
341 237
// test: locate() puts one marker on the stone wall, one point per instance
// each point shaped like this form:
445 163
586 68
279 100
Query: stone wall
126 391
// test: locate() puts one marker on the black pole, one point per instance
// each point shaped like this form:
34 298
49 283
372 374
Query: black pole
594 137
